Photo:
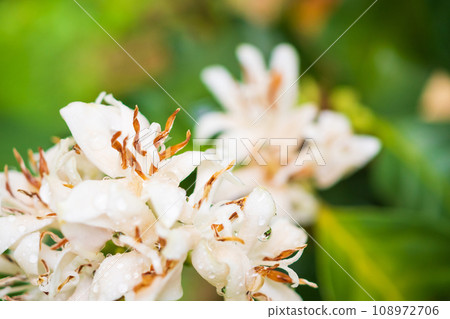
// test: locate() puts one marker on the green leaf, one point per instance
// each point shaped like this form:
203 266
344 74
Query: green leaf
392 256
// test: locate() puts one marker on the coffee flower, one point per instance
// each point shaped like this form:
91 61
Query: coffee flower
101 185
241 247
291 147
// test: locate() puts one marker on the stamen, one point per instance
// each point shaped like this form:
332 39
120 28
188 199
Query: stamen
218 228
59 245
7 281
51 215
44 276
303 281
80 268
137 129
43 167
33 194
240 240
30 178
137 234
209 183
172 150
32 161
13 211
240 202
59 241
153 169
233 216
161 243
274 86
162 135
7 185
65 282
285 254
118 147
77 149
260 296
69 186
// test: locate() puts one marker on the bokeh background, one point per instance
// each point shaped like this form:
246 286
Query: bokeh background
388 225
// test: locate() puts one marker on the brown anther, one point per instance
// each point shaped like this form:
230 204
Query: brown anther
240 240
260 296
65 282
118 147
137 234
240 202
43 167
32 161
150 276
172 150
51 215
29 177
47 269
233 216
209 184
59 241
33 194
7 185
162 135
284 254
13 211
80 268
274 86
77 149
161 243
153 169
59 245
45 275
217 228
137 129
68 185
7 281
279 276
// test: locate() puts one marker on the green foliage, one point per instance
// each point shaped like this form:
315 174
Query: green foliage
391 255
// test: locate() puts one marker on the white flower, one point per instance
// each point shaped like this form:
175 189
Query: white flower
135 205
262 111
241 247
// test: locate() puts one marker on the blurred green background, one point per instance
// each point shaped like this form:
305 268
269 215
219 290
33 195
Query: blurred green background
388 225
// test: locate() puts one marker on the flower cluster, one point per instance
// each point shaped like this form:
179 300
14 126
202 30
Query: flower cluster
265 107
101 216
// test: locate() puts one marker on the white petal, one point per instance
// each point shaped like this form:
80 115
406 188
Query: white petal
208 266
178 242
179 167
12 228
284 236
166 199
252 63
93 125
107 204
86 246
285 62
117 275
213 123
259 209
167 287
223 86
26 253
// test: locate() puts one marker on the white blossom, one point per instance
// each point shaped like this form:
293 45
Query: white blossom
263 110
